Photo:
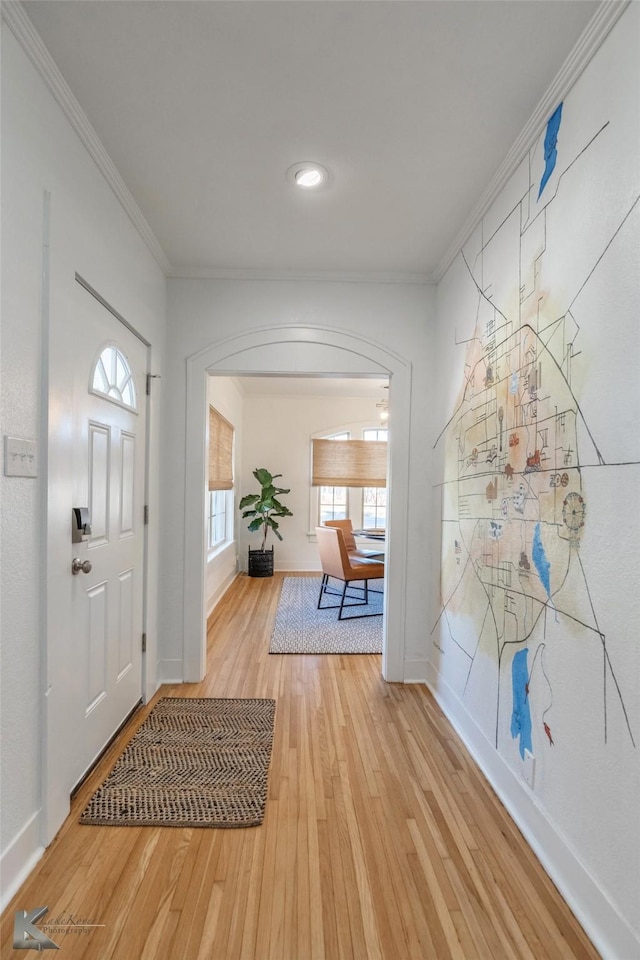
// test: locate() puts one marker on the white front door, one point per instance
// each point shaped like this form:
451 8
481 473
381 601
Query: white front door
108 477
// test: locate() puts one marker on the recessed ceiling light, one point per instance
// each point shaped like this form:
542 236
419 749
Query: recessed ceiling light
308 175
311 177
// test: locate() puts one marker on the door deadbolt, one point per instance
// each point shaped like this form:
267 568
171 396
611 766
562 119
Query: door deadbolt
80 566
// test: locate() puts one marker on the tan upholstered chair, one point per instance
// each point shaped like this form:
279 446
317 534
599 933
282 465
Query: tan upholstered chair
352 547
339 564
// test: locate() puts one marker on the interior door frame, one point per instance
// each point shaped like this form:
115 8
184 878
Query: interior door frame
54 738
327 352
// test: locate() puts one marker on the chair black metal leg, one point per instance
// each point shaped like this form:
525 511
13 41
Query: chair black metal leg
344 591
325 588
323 584
362 603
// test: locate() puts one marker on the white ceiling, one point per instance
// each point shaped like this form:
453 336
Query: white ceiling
204 105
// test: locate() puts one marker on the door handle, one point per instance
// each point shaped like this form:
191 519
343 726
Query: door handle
80 566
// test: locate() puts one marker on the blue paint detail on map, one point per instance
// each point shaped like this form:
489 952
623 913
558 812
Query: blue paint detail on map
513 384
521 715
550 144
541 563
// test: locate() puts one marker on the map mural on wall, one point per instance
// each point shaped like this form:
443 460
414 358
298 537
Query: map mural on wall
519 452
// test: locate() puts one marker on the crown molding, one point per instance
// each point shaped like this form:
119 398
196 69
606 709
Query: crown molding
25 33
213 273
603 20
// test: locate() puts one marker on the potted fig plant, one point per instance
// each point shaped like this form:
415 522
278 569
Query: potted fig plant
263 508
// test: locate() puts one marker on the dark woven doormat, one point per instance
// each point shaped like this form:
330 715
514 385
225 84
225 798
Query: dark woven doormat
194 762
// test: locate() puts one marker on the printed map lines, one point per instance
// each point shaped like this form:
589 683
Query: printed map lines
539 650
604 252
607 663
453 637
481 295
578 408
500 635
502 643
525 196
445 605
516 447
562 373
484 620
518 204
546 350
552 197
482 292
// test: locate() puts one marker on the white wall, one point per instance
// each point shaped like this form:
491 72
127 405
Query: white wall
277 435
91 234
556 274
202 313
581 815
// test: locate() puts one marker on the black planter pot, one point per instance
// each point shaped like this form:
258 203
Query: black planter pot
261 563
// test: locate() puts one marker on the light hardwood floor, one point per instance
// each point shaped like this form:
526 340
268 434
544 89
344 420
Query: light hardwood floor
381 837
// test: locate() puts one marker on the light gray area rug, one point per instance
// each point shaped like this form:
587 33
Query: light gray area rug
301 628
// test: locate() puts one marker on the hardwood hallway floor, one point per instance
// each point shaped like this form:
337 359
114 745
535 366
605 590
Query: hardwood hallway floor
381 838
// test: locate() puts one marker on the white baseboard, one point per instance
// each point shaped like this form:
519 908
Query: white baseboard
219 593
415 671
170 671
19 859
312 566
151 689
608 930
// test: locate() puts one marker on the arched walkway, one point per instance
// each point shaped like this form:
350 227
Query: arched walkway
298 350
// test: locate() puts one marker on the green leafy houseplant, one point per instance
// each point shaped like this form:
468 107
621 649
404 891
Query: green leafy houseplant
265 506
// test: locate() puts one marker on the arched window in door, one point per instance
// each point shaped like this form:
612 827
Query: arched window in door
112 378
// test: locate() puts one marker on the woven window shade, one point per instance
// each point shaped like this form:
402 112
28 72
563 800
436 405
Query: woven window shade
349 463
220 452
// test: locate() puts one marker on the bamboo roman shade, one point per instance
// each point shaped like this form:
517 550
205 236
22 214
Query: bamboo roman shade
220 452
349 463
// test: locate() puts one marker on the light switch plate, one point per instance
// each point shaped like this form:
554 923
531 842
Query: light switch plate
20 457
528 767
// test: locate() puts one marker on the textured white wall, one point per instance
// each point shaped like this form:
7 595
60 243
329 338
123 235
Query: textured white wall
90 233
277 435
577 259
589 795
205 312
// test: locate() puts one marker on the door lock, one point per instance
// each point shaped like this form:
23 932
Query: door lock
80 524
80 566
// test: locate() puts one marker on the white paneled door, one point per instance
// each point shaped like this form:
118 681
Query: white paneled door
108 465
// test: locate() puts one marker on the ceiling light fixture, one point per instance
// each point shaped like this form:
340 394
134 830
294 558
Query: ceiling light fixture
309 178
383 407
308 175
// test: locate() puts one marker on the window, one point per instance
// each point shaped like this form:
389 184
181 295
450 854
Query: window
220 452
365 506
374 499
333 502
112 378
217 518
375 434
220 494
374 508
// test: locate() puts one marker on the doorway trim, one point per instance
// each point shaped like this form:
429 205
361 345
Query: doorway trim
318 351
55 506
